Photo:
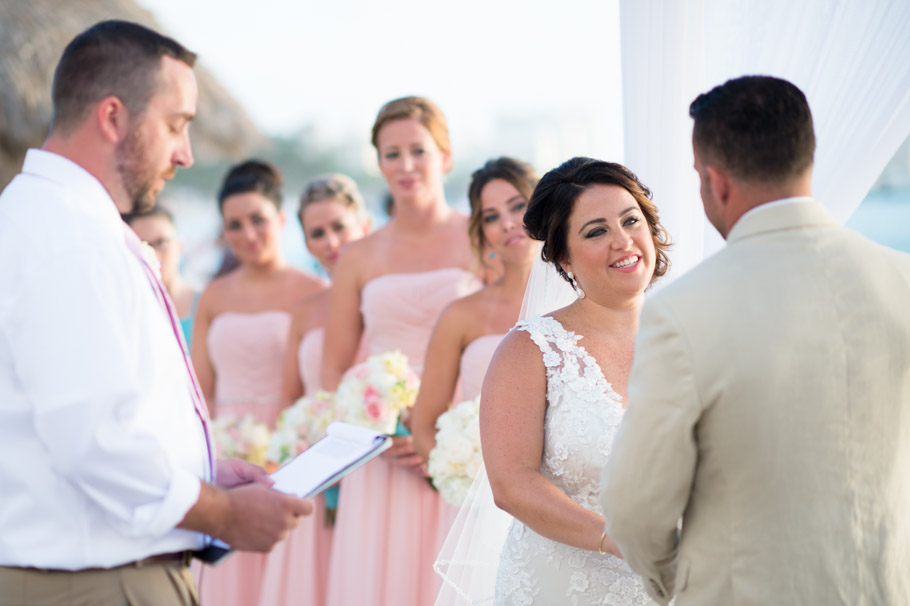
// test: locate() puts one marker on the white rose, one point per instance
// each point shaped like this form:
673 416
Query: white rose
460 449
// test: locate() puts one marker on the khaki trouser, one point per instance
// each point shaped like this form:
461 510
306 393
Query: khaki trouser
148 585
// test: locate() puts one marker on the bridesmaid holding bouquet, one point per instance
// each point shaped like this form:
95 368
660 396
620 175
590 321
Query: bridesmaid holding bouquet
240 336
470 329
332 213
389 289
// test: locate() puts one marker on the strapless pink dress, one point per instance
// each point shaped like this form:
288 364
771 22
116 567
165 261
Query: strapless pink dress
297 570
247 354
475 359
472 369
388 530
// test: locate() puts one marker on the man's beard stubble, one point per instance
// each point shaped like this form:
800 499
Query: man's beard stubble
136 172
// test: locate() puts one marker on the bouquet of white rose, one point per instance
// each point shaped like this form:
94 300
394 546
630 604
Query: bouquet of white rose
300 426
244 438
457 458
375 393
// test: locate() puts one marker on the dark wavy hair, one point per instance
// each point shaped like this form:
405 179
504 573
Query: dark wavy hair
551 205
253 176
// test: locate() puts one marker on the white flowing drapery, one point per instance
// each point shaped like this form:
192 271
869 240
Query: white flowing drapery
850 57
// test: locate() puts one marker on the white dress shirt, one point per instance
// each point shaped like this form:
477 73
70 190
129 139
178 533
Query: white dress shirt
101 448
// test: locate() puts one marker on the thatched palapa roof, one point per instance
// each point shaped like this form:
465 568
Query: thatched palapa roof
33 34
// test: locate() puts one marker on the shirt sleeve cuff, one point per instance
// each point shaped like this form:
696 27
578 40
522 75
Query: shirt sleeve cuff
162 517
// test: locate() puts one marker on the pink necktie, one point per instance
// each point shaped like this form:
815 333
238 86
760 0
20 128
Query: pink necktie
134 244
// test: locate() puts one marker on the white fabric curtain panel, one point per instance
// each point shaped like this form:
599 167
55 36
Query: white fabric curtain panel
850 57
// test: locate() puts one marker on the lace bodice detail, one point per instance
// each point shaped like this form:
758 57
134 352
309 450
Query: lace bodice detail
583 414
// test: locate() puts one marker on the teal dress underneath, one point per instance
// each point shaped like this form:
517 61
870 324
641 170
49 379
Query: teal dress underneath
187 323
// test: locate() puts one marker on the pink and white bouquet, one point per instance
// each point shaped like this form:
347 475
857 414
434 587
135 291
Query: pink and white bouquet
300 426
244 438
457 458
376 393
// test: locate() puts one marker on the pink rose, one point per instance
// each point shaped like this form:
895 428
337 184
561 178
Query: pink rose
373 410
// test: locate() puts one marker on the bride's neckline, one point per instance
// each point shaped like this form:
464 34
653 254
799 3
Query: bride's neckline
584 355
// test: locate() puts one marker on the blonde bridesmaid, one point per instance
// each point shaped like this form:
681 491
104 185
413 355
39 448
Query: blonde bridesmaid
389 289
332 213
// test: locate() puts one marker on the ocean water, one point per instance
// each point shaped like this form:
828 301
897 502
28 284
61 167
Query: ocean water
884 216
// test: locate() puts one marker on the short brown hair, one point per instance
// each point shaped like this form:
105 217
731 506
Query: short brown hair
757 127
551 205
116 58
519 174
417 108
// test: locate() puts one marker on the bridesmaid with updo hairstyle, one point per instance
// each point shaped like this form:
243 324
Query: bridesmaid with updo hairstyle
332 213
241 334
243 318
388 290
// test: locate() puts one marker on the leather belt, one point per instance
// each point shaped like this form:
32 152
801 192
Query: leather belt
181 558
178 558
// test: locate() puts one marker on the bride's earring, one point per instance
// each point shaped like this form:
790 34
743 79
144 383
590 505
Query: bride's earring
578 290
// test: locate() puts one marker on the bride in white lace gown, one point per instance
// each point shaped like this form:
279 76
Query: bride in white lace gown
552 399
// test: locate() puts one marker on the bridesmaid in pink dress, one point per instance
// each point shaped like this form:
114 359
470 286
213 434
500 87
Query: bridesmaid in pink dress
389 288
470 329
240 336
332 213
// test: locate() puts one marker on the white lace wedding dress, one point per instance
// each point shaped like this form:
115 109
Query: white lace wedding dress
583 413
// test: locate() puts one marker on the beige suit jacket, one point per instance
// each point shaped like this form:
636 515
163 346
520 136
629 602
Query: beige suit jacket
769 408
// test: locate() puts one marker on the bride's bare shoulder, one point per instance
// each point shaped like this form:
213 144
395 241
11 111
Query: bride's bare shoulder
518 349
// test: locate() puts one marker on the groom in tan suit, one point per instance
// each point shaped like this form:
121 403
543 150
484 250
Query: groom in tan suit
769 402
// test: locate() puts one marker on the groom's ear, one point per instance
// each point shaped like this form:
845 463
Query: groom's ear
719 182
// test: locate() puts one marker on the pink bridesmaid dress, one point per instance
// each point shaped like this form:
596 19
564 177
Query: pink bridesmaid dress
247 353
297 569
388 530
472 369
475 359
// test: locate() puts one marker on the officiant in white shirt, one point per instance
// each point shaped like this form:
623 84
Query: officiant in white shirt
107 466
